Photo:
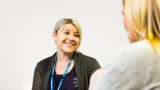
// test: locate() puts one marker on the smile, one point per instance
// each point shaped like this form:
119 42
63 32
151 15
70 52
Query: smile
70 44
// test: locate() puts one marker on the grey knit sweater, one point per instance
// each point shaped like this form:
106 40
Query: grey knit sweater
136 67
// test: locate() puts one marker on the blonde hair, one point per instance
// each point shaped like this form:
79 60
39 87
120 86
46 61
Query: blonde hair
62 22
143 17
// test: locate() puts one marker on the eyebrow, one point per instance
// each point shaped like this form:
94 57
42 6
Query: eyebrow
69 30
65 29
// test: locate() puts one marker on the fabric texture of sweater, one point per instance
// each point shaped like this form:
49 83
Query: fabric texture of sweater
84 66
135 67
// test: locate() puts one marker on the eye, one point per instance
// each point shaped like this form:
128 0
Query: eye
76 35
66 32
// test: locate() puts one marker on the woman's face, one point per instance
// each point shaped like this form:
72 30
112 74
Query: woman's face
131 36
67 38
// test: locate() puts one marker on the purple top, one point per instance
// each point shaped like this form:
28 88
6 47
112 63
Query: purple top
69 83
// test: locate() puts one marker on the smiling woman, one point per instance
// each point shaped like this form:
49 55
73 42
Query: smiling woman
66 69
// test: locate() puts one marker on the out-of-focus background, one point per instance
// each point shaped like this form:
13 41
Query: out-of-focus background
26 34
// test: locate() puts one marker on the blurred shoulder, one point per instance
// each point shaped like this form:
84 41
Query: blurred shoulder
98 74
141 46
96 77
134 50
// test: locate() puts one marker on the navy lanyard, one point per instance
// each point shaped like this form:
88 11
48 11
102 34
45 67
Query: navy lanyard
63 76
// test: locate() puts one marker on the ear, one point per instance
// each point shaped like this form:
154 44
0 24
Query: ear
54 35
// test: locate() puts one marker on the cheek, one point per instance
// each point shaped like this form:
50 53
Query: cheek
59 40
130 35
125 22
78 41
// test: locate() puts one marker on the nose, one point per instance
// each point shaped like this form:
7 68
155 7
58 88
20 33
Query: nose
71 37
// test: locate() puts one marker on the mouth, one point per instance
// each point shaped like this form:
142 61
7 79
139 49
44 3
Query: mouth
70 44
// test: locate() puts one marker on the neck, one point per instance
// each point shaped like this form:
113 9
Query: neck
63 57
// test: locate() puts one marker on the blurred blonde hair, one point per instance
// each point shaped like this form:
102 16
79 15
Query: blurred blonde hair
143 17
62 22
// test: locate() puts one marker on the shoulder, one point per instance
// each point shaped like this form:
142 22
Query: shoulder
140 46
135 51
87 62
84 57
96 77
98 74
131 60
43 63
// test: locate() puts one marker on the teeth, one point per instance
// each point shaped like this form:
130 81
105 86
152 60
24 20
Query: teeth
69 44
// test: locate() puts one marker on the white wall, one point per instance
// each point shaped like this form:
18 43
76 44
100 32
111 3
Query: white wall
26 27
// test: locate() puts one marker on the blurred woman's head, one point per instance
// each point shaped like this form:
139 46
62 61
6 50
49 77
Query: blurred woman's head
142 20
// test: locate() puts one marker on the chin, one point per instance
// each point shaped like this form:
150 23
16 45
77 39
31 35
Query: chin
132 41
69 51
